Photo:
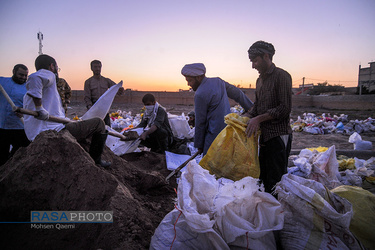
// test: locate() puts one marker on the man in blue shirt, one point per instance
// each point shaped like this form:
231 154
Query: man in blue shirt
211 103
11 126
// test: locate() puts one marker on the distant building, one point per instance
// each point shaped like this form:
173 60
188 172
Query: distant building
366 78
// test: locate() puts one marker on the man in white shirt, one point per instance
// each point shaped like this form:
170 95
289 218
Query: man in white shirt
42 96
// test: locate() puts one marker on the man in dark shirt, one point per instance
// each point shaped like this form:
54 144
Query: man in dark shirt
157 133
96 86
271 114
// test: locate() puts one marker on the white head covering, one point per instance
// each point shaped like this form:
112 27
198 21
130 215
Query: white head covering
194 69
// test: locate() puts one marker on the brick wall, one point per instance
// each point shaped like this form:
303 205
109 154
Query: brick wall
344 102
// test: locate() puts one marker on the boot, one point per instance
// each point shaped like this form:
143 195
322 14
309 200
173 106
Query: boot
96 149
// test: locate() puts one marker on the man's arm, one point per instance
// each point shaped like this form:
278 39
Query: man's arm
239 96
151 130
87 91
111 83
42 113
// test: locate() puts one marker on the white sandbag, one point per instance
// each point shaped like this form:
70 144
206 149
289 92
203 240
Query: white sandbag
315 218
327 162
359 144
246 216
194 220
196 192
218 214
174 230
363 145
303 165
180 126
103 104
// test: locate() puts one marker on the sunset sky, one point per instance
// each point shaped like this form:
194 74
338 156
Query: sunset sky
145 43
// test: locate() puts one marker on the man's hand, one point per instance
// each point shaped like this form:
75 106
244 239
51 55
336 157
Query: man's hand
120 91
42 113
18 114
143 136
252 127
200 151
130 135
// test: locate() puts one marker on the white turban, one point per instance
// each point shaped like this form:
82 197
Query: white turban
194 69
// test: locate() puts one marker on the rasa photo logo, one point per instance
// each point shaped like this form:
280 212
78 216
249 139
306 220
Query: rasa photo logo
43 219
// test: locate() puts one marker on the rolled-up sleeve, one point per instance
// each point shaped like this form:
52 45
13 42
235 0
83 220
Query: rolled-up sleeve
34 86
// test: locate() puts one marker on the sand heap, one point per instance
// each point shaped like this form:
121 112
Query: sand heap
55 173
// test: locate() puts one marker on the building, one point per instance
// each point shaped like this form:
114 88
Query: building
366 78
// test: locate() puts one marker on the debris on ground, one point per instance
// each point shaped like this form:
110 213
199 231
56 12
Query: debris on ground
327 124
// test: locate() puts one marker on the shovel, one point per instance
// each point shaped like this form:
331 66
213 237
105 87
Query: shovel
181 166
9 100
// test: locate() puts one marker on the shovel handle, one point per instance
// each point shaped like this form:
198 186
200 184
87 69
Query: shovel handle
58 119
181 166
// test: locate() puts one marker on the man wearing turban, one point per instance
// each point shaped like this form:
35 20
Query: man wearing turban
271 114
211 103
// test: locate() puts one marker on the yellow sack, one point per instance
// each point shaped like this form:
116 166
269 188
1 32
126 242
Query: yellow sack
232 154
362 224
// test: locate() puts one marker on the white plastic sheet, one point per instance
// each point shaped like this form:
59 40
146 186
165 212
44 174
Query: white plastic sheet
123 147
103 104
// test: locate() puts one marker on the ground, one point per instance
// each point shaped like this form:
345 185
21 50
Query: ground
55 173
301 140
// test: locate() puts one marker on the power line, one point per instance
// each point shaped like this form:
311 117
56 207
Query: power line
328 80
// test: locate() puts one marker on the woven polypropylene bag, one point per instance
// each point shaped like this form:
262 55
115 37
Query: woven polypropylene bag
232 154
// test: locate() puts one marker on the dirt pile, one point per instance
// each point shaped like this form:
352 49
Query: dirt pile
55 173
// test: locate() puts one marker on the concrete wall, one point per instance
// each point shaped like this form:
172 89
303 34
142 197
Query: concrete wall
343 102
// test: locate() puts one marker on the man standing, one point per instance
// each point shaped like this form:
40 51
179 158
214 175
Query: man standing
270 114
157 133
211 103
41 89
65 93
96 86
11 127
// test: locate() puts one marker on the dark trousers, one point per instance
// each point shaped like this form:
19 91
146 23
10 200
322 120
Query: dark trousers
84 129
15 137
158 141
107 120
273 160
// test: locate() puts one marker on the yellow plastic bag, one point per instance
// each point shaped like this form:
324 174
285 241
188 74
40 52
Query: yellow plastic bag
232 154
362 224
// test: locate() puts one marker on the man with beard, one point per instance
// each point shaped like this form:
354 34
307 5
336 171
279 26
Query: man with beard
96 86
270 114
11 126
211 103
41 89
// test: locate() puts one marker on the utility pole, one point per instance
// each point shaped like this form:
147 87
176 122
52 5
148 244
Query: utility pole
40 38
303 85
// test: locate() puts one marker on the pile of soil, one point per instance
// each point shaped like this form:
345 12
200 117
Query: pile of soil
56 173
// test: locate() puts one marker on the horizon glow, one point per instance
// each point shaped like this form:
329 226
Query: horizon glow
146 43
